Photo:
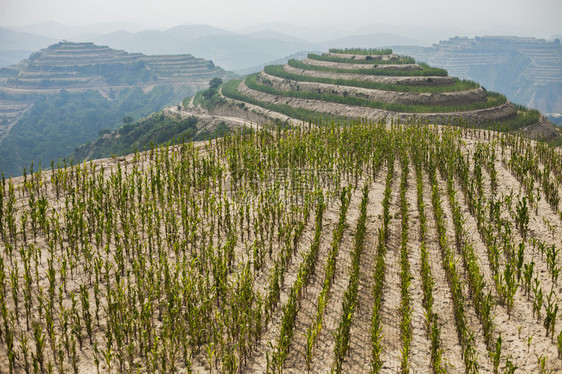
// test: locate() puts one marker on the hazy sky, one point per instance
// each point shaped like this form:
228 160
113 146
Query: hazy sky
540 17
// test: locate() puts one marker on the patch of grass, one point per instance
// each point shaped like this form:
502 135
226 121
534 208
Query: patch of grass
525 117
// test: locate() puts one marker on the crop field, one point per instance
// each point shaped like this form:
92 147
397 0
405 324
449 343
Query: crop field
356 248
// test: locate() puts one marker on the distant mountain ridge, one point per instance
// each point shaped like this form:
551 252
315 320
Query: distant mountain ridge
232 50
11 40
16 46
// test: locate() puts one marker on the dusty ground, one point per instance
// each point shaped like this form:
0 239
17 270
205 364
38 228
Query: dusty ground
340 65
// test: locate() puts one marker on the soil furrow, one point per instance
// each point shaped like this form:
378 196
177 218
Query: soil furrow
390 306
324 350
473 321
359 354
443 301
295 361
420 359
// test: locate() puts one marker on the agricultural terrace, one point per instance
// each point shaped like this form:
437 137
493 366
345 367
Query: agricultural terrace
373 84
360 248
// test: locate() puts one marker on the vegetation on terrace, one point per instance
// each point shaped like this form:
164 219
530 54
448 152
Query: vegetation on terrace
426 70
493 100
230 89
401 60
362 51
458 85
525 117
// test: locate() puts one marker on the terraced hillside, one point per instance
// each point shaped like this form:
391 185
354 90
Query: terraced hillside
527 70
338 85
86 65
85 88
78 67
372 84
324 248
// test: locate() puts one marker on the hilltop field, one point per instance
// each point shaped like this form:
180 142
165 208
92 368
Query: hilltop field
354 248
365 245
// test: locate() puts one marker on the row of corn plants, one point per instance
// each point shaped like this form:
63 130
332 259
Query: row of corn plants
349 302
483 301
433 327
380 270
291 308
313 331
405 273
454 278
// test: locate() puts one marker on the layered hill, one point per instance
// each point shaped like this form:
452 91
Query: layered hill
527 70
77 67
372 84
86 88
338 85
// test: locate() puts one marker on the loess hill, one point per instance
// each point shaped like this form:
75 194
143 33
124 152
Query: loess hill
69 93
360 248
79 67
374 84
348 247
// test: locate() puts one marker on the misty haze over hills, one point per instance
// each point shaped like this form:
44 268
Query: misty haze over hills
233 50
273 40
261 43
247 49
